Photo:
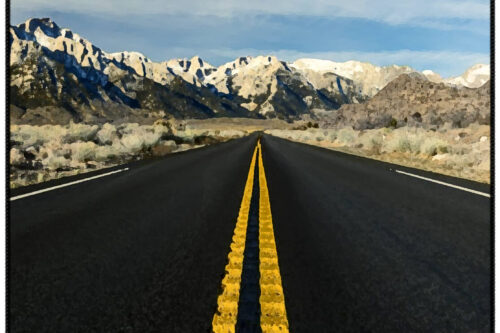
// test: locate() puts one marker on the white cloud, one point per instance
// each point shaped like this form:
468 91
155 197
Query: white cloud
389 11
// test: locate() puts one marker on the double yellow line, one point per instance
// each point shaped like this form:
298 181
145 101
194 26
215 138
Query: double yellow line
272 302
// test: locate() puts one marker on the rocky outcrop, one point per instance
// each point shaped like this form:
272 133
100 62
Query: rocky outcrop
411 99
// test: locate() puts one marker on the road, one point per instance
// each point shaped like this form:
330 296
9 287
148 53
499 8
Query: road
360 247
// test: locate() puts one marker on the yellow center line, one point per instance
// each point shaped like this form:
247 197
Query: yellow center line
224 320
272 300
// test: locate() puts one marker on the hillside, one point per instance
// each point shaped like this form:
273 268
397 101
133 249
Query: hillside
411 99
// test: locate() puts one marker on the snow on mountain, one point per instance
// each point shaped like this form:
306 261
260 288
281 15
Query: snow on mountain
263 84
249 78
48 34
432 76
269 86
56 76
369 78
141 65
83 53
193 70
473 77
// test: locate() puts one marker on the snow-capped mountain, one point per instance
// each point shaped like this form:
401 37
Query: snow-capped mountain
54 67
266 85
432 76
369 78
43 36
193 70
57 75
474 77
47 34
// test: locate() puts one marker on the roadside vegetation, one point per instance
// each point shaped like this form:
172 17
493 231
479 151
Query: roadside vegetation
459 152
41 153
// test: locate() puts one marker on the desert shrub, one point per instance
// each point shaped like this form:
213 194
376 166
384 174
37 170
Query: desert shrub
300 128
128 128
28 135
392 123
468 156
106 153
164 128
40 153
432 146
347 136
107 134
164 148
460 149
405 145
150 138
404 141
82 151
136 138
229 133
332 135
16 157
371 140
132 143
189 133
55 162
80 132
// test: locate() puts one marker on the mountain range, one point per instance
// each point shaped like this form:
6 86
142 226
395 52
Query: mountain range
57 76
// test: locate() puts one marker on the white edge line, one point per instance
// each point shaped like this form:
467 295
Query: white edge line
445 184
66 184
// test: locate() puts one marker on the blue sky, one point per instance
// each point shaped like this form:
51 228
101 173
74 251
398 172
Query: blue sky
442 35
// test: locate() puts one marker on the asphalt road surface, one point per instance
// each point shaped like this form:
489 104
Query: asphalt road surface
361 248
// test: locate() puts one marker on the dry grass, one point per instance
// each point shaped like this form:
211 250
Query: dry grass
459 152
41 153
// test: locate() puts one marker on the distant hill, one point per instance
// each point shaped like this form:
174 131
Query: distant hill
411 99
